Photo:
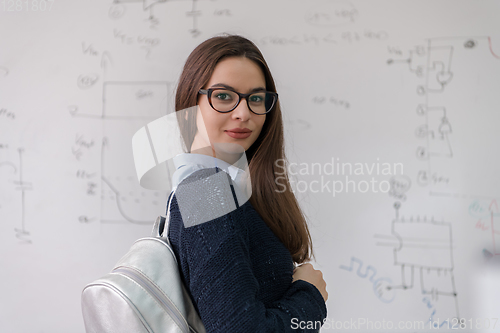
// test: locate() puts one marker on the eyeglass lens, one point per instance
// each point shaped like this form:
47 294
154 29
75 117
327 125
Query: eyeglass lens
225 100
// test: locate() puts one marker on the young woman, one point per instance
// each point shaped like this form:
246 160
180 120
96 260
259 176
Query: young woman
239 267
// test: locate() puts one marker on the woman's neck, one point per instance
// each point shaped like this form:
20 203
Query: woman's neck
228 157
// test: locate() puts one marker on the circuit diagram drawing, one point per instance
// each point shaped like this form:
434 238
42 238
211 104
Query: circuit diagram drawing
423 250
14 172
133 102
126 106
118 9
443 67
380 285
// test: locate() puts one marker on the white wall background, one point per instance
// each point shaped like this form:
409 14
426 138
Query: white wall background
370 82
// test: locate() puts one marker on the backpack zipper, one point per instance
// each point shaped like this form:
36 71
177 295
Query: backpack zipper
157 293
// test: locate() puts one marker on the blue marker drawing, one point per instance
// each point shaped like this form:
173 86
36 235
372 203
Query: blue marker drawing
381 286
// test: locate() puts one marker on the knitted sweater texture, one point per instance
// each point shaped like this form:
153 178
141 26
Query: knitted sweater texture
238 273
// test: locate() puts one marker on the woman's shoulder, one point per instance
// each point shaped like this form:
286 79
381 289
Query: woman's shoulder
205 216
206 195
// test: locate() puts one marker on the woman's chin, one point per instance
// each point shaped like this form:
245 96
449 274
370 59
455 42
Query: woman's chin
228 148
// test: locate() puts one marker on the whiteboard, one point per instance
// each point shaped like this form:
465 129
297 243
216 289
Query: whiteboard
391 114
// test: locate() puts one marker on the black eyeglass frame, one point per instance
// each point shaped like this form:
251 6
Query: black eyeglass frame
209 92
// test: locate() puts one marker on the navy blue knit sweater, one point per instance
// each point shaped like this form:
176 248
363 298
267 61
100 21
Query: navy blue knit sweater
238 273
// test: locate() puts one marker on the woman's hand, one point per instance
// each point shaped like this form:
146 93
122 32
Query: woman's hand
307 273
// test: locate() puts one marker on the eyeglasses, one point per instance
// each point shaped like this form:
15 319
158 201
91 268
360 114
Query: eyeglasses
226 100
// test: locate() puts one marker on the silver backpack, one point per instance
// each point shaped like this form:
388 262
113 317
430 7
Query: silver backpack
143 293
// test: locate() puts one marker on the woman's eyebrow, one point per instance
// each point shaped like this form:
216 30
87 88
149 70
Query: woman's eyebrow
231 88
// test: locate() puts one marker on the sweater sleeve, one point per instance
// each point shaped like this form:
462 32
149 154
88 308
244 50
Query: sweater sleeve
224 287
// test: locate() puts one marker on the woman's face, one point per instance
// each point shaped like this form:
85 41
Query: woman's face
243 75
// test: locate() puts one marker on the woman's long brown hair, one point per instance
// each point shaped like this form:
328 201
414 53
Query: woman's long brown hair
277 206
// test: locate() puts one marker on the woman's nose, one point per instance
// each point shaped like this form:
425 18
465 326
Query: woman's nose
242 111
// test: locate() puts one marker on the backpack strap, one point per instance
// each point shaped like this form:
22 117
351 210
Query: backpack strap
162 223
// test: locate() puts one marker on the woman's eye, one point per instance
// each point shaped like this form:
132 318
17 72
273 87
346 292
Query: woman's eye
223 96
256 99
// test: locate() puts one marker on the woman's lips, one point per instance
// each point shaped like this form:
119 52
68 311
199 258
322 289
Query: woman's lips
238 135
